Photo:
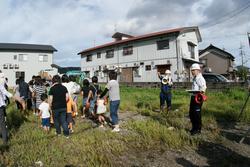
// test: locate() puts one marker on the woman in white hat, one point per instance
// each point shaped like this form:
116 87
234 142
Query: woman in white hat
198 86
165 94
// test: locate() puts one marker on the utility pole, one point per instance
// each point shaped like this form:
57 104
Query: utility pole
242 54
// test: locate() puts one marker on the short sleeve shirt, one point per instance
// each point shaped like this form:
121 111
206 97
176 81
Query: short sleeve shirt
58 92
114 90
44 108
85 91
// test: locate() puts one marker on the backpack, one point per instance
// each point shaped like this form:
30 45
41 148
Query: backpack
165 89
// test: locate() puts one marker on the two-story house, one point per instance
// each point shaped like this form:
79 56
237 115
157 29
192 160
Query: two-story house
218 61
25 60
139 58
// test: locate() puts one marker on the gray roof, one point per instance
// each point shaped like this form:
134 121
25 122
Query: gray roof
26 47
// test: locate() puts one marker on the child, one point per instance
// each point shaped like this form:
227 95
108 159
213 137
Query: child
166 85
69 114
94 87
114 94
101 108
86 94
44 112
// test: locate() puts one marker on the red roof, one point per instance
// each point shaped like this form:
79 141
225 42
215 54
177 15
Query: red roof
140 37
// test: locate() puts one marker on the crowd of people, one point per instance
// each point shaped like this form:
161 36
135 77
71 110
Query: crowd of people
56 101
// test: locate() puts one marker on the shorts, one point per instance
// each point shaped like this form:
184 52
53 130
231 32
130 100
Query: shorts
46 122
84 101
69 104
69 118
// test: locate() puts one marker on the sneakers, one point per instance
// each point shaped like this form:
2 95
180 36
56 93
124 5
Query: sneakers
116 129
101 126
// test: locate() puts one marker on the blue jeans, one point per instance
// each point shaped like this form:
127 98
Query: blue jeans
167 98
92 105
60 120
84 101
114 105
3 125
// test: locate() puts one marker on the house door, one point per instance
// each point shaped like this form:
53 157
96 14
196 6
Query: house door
20 74
163 68
126 75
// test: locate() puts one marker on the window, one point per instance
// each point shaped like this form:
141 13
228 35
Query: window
43 58
128 50
20 74
163 44
98 55
23 57
15 57
191 47
89 58
109 53
148 67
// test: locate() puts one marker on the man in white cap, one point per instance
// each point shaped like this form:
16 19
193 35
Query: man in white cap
3 94
165 94
198 86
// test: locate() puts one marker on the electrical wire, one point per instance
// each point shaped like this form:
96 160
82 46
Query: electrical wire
227 17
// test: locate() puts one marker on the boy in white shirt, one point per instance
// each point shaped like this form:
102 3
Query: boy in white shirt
44 112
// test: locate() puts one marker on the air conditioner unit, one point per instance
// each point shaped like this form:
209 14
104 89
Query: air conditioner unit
5 66
16 66
11 66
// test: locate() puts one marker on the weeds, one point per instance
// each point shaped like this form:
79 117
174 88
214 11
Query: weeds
89 146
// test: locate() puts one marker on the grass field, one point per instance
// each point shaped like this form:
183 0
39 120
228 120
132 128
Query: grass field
145 130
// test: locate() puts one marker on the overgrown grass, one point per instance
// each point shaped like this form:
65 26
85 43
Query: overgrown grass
90 146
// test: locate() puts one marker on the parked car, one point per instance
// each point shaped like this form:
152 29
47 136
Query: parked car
212 77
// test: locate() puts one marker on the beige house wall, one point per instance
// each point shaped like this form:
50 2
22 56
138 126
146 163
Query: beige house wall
218 64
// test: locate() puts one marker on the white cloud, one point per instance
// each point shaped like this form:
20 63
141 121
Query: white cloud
74 25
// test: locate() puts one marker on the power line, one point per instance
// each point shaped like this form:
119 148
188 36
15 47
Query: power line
227 17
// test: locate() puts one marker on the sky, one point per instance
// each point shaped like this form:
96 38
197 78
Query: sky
74 25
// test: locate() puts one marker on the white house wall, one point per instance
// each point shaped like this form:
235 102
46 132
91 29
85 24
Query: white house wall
31 67
183 51
146 52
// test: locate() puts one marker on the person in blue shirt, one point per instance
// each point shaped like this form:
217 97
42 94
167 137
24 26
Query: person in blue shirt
165 94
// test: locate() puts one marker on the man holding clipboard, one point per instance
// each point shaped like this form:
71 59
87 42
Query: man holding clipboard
198 88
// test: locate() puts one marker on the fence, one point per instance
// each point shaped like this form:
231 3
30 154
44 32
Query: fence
188 85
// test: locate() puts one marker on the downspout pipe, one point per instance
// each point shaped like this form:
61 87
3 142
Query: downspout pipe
177 59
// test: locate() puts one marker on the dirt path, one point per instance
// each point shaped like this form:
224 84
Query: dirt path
225 152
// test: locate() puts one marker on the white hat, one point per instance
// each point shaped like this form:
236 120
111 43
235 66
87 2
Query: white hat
167 72
195 66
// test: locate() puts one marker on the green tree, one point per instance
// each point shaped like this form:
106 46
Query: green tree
242 73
